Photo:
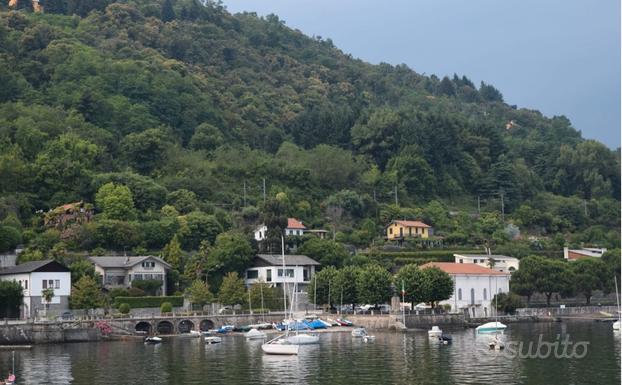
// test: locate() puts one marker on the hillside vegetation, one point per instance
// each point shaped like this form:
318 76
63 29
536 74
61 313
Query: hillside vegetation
170 117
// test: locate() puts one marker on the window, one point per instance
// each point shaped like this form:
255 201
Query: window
410 231
391 230
269 275
51 283
485 298
44 284
57 284
459 294
26 284
288 273
472 296
461 261
252 274
148 264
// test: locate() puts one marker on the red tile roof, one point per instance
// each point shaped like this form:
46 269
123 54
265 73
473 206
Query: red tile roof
293 223
411 223
463 268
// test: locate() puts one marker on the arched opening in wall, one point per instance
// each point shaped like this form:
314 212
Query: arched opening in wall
143 327
206 325
165 327
185 326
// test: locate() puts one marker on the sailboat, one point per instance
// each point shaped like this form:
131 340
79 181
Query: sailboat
280 345
300 338
616 325
495 343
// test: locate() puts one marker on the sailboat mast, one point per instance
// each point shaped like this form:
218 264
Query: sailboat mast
615 278
283 283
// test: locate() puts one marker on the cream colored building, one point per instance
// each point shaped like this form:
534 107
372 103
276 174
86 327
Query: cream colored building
121 271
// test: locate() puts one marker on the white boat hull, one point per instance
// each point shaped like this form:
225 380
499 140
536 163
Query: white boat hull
616 325
254 334
213 340
491 327
280 349
359 332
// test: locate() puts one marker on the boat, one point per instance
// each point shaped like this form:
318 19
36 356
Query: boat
435 332
496 343
280 345
254 334
491 327
616 325
225 329
303 339
195 333
359 332
326 323
213 340
344 322
444 339
332 322
316 324
369 338
153 340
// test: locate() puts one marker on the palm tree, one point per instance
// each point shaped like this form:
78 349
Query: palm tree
47 295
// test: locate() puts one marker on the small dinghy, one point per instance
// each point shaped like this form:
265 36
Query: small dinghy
195 333
444 339
496 343
359 332
213 340
369 338
343 322
153 340
435 332
254 334
616 325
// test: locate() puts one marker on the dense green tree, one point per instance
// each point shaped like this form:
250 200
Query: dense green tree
321 289
345 285
146 151
232 252
373 285
11 298
81 268
86 294
9 238
437 285
115 201
589 275
172 253
232 290
196 227
410 279
326 252
167 12
199 294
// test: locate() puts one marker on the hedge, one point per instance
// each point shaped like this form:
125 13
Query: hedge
138 302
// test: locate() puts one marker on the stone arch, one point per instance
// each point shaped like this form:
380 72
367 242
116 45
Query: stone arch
184 326
206 325
165 327
143 327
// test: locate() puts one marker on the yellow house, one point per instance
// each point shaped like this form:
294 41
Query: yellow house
398 230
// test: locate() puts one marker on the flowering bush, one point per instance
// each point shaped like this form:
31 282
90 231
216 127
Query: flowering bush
104 327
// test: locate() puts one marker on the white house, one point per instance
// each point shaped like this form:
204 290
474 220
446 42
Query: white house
121 271
36 276
299 270
474 287
586 252
294 228
502 263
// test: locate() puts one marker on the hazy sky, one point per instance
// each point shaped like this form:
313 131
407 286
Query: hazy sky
561 57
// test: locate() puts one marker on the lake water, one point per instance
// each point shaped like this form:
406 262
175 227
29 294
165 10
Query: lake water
394 358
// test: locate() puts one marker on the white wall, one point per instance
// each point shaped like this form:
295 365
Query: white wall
504 265
260 233
65 284
465 282
17 278
297 278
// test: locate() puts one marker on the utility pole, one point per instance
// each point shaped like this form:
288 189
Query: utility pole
244 193
396 195
479 209
264 190
502 208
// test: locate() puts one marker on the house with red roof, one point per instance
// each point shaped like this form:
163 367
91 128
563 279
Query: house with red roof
474 287
398 230
294 228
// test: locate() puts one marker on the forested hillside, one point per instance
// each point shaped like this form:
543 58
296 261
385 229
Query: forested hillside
170 117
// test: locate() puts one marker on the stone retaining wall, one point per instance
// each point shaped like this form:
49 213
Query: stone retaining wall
569 311
24 334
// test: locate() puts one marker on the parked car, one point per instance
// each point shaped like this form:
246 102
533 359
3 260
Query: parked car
67 316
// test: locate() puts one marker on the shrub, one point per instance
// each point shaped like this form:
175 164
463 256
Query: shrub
166 307
135 292
508 302
118 292
124 308
138 302
149 286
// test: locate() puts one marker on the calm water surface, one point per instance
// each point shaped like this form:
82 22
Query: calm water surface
339 359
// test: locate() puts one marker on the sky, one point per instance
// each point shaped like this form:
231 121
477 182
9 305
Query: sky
561 57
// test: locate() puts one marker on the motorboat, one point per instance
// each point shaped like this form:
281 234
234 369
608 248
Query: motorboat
491 327
153 340
303 339
254 334
359 332
435 332
616 325
225 329
213 340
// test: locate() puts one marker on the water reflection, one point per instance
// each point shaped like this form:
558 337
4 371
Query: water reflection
394 358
